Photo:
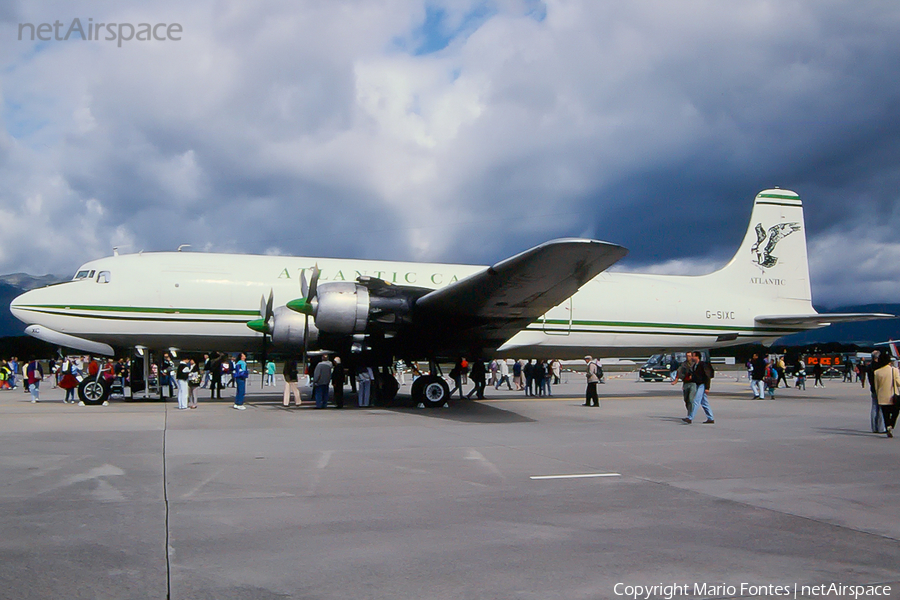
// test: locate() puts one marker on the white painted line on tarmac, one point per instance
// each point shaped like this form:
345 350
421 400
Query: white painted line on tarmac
576 476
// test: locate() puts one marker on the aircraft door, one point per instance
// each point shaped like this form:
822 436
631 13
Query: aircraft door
560 323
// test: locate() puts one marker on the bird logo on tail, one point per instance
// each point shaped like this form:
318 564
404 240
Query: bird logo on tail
762 255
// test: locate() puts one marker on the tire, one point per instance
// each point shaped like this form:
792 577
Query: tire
93 392
415 391
433 391
389 389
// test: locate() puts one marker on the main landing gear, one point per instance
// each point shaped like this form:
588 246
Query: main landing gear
430 390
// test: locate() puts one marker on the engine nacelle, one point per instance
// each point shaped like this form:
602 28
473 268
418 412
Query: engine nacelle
287 328
342 307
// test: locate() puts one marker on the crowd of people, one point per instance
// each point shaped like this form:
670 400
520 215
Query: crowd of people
535 378
327 377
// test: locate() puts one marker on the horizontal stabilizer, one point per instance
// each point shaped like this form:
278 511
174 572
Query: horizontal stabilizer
821 319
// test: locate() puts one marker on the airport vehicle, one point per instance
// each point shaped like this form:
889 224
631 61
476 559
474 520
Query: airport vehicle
555 300
660 367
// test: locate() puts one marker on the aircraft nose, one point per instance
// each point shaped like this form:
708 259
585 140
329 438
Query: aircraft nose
18 310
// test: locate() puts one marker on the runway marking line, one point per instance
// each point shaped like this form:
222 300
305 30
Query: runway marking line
576 476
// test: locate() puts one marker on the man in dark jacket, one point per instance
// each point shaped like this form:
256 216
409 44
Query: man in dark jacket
320 382
701 374
337 381
215 386
528 373
757 376
479 379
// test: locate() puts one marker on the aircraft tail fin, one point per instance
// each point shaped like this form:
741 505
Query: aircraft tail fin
771 262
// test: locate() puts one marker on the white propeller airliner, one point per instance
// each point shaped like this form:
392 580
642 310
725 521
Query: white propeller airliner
554 300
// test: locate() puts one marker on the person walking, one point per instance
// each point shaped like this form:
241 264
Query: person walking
556 369
503 374
479 376
548 378
68 379
321 381
194 379
34 374
590 394
181 381
701 374
876 417
817 374
688 387
337 382
270 373
781 373
861 369
456 374
800 384
848 372
887 387
517 375
771 379
758 376
228 368
207 370
289 371
239 375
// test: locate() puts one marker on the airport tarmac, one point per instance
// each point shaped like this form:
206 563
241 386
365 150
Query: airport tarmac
141 500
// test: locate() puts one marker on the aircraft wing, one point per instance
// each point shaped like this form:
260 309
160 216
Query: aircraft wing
820 319
495 303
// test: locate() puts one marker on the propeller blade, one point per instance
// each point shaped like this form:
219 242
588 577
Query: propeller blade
265 359
304 287
269 303
313 284
262 308
305 340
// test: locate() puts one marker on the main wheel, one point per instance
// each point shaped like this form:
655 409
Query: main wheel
433 391
388 388
93 392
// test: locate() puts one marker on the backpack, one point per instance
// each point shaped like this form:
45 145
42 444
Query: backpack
709 370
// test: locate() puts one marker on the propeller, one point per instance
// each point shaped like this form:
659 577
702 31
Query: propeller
306 305
264 326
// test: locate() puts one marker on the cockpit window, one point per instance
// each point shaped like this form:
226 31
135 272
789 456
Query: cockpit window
81 275
103 277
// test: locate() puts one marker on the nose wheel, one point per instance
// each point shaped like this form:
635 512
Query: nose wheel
93 392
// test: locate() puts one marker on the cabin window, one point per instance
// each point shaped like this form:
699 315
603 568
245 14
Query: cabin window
81 275
103 277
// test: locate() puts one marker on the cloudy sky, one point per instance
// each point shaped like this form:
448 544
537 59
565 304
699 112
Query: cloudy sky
454 131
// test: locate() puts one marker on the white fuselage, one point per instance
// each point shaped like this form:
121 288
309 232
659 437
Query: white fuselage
197 301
